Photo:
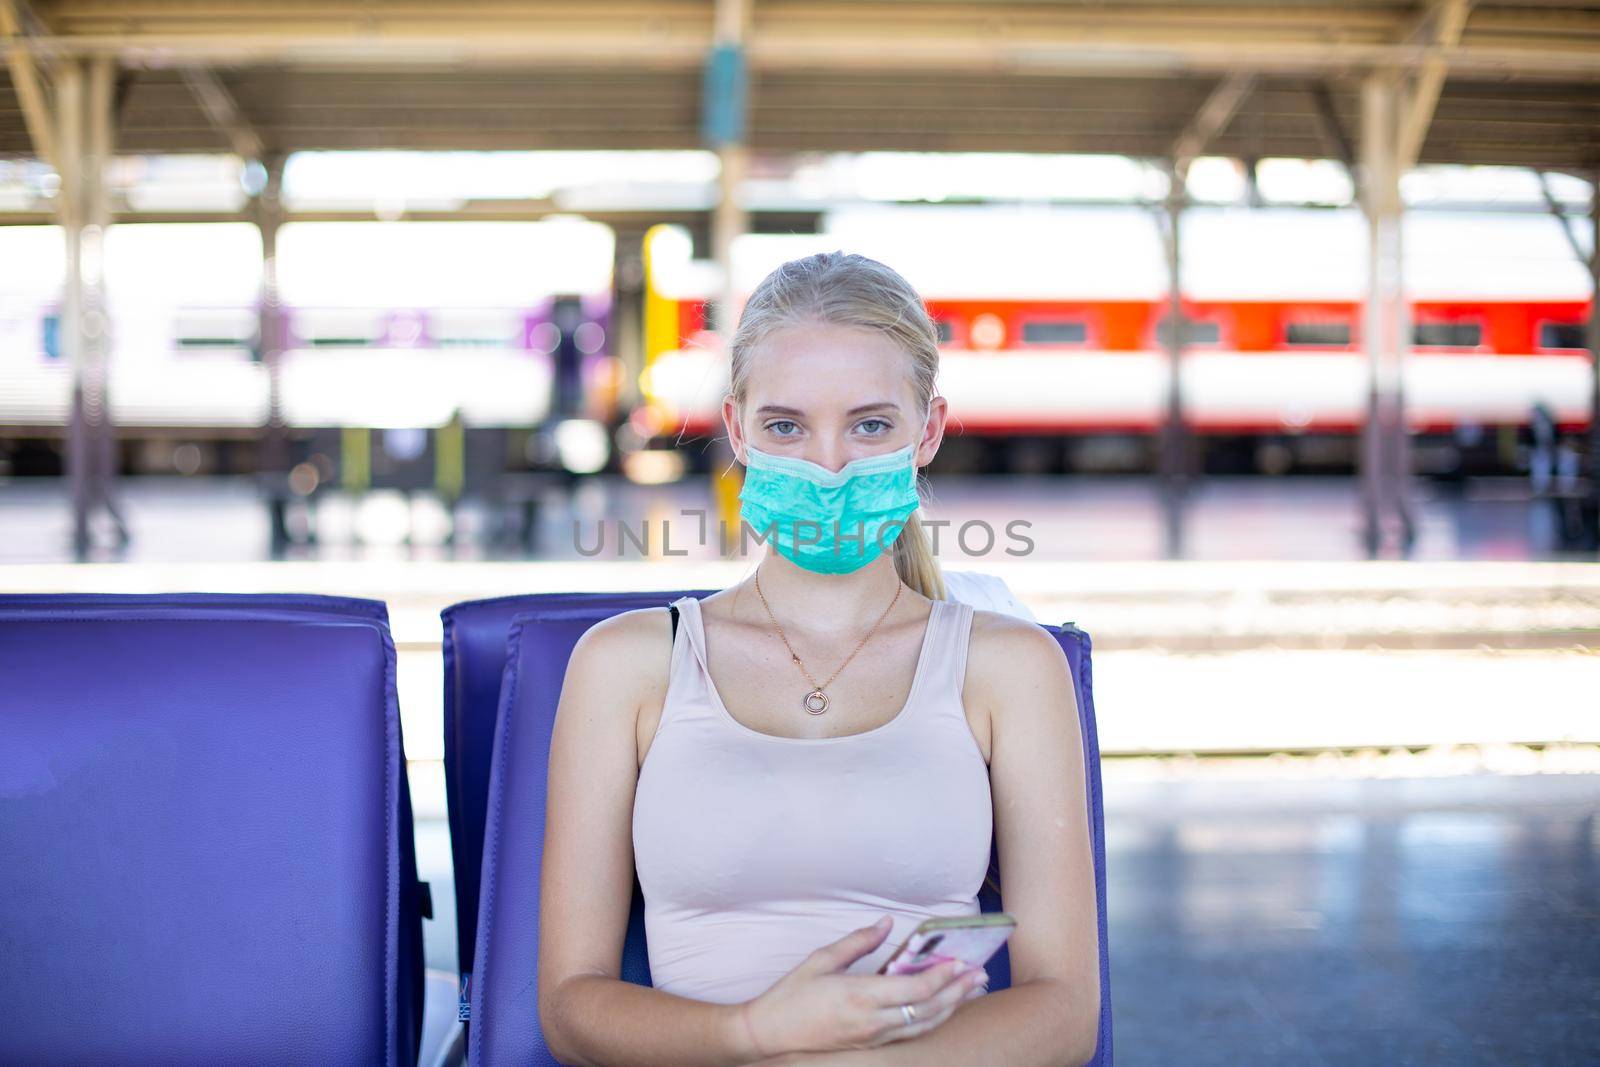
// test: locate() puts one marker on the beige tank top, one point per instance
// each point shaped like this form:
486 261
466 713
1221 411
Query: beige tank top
753 850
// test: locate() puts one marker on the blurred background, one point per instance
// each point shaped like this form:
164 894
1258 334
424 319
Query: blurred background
1269 327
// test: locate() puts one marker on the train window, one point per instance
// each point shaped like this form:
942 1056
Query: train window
1325 334
1055 332
191 341
1446 335
215 328
1563 335
1195 332
339 327
942 327
475 328
472 341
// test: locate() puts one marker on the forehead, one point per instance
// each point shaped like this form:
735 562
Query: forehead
820 365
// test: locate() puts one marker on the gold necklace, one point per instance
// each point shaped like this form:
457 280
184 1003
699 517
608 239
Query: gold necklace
816 701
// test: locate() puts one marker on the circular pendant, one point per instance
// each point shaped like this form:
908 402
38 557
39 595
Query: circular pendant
816 702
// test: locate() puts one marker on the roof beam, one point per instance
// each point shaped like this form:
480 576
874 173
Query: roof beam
223 111
25 78
1447 18
1212 118
821 35
798 220
1539 58
1555 209
1333 130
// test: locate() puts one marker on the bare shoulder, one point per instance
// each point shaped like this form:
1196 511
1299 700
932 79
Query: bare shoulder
626 656
626 630
1014 663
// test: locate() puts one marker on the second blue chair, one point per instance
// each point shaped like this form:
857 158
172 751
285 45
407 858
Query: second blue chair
504 993
475 633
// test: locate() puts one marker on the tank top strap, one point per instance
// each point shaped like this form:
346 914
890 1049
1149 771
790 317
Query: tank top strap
688 639
950 626
685 682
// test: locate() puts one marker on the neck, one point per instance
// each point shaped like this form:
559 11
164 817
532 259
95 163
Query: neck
808 602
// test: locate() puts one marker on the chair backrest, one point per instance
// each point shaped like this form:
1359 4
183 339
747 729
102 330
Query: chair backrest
209 792
475 634
504 992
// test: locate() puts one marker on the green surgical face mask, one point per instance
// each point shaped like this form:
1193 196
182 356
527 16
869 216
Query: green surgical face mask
830 522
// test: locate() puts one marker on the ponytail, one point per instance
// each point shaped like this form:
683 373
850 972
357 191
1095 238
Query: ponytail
915 562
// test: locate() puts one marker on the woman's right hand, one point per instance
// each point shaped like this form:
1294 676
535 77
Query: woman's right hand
817 1008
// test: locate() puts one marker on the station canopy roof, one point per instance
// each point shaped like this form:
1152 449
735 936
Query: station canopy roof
1521 84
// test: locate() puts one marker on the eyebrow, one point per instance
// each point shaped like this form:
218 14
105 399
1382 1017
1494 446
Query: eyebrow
777 409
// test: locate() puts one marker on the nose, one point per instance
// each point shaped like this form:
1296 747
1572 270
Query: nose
831 455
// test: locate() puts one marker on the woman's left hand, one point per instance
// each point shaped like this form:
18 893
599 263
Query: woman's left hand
852 1058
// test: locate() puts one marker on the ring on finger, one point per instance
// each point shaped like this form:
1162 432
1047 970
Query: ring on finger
909 1012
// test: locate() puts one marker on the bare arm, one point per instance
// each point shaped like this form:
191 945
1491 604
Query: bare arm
616 1023
589 1015
1050 1016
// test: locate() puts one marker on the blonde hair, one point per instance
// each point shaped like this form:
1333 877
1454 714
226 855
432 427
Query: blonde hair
846 289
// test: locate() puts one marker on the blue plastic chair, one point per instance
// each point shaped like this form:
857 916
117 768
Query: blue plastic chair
210 793
504 993
475 633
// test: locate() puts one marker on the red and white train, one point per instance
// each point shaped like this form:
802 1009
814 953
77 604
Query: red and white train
1051 320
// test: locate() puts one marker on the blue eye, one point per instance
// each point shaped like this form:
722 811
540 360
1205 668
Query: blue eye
773 426
881 422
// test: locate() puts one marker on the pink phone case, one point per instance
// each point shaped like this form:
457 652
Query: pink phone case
929 948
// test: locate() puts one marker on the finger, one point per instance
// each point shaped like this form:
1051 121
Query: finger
928 1012
947 999
974 985
892 990
926 1018
849 948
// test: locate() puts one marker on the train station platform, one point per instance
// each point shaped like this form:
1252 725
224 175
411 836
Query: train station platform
1287 915
1265 639
1067 518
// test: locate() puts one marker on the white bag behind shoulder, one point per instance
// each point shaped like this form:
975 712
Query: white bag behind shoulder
984 591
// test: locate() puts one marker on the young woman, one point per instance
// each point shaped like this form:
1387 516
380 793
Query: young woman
807 764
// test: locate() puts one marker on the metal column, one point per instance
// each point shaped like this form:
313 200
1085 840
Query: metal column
1592 335
273 462
83 142
627 314
1589 506
97 323
1174 460
723 129
1385 442
1177 453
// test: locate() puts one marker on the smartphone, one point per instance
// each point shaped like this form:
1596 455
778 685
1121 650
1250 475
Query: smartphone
971 938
